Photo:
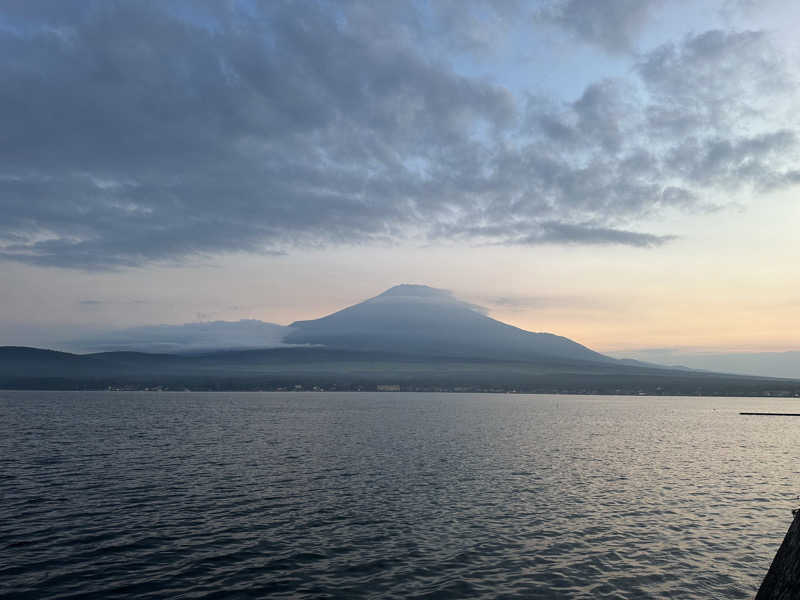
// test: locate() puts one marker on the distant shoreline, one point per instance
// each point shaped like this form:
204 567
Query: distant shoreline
796 396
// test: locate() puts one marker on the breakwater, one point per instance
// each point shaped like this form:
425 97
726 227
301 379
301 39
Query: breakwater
782 581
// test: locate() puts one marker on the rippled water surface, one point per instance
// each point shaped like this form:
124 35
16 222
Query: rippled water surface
196 495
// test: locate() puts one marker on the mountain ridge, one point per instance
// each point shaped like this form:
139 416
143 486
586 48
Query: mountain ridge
317 368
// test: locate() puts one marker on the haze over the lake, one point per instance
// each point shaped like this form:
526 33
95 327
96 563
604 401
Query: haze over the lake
623 173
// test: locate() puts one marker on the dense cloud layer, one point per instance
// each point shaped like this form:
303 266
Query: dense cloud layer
147 131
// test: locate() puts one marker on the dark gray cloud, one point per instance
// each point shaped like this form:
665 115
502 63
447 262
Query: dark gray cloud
729 162
613 25
136 132
714 79
132 135
718 105
587 234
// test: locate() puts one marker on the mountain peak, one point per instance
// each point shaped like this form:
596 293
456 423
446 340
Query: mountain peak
415 290
422 295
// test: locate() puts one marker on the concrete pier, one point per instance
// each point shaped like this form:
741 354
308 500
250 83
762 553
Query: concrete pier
782 581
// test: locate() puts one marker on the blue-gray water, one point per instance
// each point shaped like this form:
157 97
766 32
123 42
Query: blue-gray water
249 495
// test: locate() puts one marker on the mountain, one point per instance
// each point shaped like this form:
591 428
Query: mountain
409 337
765 364
417 319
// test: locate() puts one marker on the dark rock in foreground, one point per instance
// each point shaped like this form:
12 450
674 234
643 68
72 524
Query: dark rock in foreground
782 581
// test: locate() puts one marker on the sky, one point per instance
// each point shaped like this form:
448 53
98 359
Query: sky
620 172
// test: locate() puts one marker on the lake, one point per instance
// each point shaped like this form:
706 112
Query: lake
392 495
